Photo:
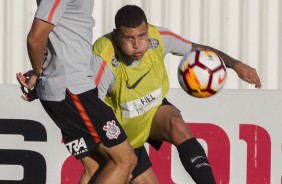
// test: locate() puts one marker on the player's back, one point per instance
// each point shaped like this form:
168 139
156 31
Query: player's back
67 64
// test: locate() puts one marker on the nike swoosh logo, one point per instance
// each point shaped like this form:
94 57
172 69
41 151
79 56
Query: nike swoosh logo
221 79
137 82
196 158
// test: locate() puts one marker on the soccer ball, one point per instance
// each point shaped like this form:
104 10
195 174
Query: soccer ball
202 73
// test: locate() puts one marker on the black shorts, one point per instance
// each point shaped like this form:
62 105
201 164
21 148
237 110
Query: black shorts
157 144
85 122
143 163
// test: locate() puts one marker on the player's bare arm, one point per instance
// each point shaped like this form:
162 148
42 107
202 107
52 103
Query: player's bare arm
229 61
37 43
245 72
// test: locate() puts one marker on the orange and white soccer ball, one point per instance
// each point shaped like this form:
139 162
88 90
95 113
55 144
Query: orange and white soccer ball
202 73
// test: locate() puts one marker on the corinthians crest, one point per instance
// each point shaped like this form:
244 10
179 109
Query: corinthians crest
153 43
112 130
115 62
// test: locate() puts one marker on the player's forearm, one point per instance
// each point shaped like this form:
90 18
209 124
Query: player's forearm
36 51
229 61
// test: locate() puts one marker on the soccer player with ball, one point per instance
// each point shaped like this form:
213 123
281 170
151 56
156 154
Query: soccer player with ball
131 77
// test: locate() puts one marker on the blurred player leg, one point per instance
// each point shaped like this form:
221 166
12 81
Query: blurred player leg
147 177
119 164
143 172
92 167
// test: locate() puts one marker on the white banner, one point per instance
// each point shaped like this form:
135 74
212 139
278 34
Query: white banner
239 129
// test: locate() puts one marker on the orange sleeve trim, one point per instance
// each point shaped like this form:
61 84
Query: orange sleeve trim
100 73
53 9
175 35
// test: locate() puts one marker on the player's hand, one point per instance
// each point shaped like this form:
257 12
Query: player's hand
248 74
27 82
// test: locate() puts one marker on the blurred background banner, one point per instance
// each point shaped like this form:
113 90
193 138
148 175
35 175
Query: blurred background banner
248 30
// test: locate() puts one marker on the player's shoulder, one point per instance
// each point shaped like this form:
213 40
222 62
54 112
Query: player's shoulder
104 48
162 29
104 40
164 32
103 44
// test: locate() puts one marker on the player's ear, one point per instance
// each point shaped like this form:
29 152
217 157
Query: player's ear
114 32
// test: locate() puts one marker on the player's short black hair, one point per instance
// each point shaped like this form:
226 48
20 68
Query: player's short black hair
130 16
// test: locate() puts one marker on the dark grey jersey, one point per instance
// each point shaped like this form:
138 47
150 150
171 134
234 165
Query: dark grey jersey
67 64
